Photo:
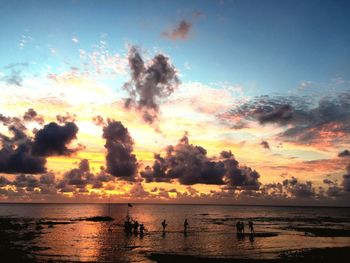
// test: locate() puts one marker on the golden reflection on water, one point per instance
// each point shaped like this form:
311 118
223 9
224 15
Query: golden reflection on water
211 232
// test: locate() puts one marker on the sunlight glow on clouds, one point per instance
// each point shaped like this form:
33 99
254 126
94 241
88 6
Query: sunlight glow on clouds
87 117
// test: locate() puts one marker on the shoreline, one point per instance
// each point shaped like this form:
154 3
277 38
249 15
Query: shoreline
175 204
15 231
321 255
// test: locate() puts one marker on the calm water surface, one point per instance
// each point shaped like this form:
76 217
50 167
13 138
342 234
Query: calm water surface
211 232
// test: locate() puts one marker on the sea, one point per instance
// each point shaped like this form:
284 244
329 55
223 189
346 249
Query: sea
211 232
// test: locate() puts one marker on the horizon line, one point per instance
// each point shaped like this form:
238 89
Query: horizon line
140 203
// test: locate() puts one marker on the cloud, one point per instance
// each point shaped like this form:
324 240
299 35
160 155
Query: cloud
149 83
66 118
345 153
54 139
120 160
180 32
346 179
26 181
189 165
16 151
14 78
297 189
4 181
15 75
304 121
265 144
32 115
333 188
98 120
79 178
75 40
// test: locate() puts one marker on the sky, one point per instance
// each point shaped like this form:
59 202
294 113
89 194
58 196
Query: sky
221 102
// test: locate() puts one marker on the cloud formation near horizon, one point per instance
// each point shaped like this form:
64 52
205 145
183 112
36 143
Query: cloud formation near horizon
16 151
53 139
189 164
26 153
306 122
120 160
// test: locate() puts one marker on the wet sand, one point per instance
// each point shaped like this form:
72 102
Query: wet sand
323 232
299 256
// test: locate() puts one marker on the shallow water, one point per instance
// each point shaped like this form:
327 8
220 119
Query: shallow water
211 232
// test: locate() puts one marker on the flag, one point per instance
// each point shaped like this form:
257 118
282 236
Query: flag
129 205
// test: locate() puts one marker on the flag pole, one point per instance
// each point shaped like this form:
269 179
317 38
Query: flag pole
109 205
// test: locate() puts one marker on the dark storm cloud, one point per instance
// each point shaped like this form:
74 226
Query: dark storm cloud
54 139
305 121
240 177
16 151
149 83
334 190
345 153
265 145
29 182
21 160
189 164
180 32
297 189
4 181
79 178
23 154
120 160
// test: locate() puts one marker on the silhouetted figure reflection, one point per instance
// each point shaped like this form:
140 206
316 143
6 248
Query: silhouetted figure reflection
185 226
164 225
142 229
238 227
251 226
128 226
136 227
242 227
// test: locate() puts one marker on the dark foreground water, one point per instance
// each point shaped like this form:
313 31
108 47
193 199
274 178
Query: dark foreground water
211 233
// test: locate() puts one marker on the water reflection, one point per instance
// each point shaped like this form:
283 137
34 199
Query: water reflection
211 231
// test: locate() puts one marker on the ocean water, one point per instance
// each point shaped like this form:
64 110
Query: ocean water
211 230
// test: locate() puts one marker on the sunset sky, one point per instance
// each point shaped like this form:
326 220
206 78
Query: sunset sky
242 102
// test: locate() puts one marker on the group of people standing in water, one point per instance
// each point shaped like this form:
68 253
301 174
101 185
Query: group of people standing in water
133 226
240 227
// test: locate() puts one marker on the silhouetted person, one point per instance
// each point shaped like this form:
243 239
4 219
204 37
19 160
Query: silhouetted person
128 226
185 225
238 227
142 229
164 225
136 227
251 226
242 227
